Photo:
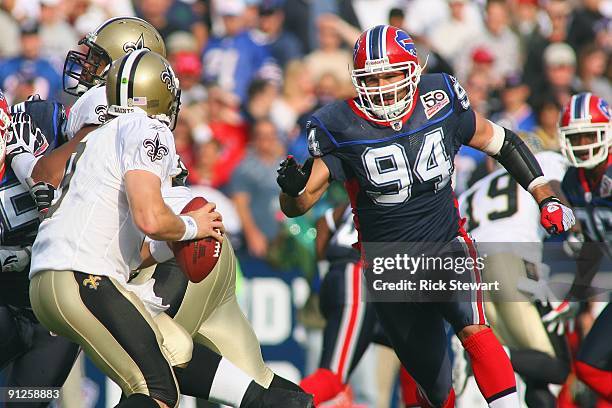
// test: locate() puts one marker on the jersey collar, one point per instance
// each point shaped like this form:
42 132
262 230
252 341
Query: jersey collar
353 104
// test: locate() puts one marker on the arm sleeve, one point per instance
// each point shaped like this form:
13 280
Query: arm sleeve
147 148
320 146
466 119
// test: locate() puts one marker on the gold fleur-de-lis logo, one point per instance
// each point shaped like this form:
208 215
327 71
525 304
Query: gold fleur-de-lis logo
156 150
133 46
92 282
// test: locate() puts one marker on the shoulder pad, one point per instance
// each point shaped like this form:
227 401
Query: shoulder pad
48 116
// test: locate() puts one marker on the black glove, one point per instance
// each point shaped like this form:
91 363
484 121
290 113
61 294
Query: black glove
43 194
292 177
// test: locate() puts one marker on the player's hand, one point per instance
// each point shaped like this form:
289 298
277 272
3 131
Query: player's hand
15 259
43 194
555 217
292 177
23 136
561 313
209 222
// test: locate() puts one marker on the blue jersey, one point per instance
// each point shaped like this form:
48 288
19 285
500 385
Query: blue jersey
398 180
592 204
18 213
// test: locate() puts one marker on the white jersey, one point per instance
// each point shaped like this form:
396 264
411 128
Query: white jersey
89 227
89 109
499 210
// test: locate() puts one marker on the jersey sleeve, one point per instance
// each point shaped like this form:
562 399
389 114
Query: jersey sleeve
150 148
89 109
321 146
466 118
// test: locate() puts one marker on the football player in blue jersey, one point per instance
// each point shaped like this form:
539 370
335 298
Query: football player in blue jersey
393 147
585 135
36 126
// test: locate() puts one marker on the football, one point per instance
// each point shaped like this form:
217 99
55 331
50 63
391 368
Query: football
196 258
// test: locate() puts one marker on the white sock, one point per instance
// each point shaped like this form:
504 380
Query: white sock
229 385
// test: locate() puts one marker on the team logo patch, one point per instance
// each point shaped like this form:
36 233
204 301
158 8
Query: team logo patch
605 189
405 42
155 149
101 112
133 46
92 282
434 101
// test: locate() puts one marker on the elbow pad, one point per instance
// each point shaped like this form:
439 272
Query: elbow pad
522 165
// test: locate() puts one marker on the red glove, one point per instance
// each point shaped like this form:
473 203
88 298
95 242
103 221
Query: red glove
555 217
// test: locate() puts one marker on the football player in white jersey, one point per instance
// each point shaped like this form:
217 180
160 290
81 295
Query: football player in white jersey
85 116
213 324
91 237
493 204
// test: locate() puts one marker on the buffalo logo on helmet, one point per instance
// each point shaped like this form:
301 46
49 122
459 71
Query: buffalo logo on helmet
605 108
406 42
155 149
138 45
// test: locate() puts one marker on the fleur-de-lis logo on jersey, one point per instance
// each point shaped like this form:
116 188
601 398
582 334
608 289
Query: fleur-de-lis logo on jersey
167 77
155 149
101 112
92 282
133 46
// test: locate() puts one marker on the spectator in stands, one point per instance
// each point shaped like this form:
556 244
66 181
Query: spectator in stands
547 114
397 18
525 15
516 114
188 68
233 60
254 189
297 99
557 12
261 96
499 40
592 66
9 40
283 45
29 72
449 38
58 37
584 23
330 57
478 87
169 16
206 160
559 80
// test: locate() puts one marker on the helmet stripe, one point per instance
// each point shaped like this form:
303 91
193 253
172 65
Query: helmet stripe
132 74
367 44
383 38
125 76
119 81
369 47
578 107
585 107
376 43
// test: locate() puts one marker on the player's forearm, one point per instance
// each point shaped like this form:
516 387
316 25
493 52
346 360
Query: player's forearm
50 168
295 206
159 222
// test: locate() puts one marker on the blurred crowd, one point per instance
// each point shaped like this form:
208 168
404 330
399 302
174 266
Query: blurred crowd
252 71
